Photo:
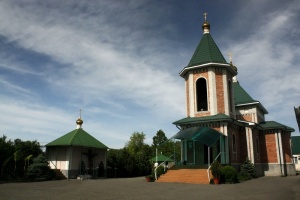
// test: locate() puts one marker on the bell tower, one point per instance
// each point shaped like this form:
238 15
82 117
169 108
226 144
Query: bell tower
208 79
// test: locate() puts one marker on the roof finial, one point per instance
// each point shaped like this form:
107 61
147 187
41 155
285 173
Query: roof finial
205 15
230 57
205 25
79 121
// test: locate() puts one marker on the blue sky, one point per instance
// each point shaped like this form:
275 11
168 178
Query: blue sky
119 61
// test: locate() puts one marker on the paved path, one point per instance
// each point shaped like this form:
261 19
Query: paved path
274 188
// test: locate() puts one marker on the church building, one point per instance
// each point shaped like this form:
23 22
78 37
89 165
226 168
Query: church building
77 154
224 122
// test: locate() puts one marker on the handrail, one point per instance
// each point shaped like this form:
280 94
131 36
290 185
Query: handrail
155 173
53 164
208 174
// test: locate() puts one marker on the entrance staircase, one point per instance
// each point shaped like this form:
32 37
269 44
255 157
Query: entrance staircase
185 174
59 175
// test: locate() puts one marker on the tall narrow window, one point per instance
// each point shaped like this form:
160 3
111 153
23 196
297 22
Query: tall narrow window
257 145
201 90
233 143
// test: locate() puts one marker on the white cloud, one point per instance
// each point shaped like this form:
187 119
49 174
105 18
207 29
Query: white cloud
267 62
119 62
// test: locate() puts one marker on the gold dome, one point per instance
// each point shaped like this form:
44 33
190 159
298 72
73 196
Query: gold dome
206 25
234 67
79 121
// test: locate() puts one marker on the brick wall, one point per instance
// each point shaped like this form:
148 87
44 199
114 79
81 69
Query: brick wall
268 148
220 90
286 148
245 117
243 150
241 145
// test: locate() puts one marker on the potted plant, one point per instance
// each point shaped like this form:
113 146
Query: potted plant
149 178
216 171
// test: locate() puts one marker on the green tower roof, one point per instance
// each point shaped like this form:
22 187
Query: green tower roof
207 52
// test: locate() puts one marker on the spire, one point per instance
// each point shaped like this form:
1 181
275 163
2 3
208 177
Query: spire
205 25
79 121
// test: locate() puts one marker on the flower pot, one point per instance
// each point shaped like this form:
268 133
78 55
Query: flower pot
216 181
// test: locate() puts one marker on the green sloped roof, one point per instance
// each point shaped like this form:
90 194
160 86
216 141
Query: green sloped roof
205 119
275 125
204 135
77 137
242 97
295 145
207 51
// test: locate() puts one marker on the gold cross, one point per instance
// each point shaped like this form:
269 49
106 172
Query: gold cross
230 56
205 15
80 113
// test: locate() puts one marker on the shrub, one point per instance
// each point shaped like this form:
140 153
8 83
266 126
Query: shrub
248 171
215 169
229 174
39 170
151 177
160 171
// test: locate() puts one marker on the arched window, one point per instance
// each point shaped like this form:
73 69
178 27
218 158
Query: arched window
201 91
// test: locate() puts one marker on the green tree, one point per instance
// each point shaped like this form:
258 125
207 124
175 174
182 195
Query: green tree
165 146
159 138
135 143
247 171
6 154
15 157
39 170
24 149
132 160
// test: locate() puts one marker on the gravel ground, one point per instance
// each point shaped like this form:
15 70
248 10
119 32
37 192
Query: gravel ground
137 188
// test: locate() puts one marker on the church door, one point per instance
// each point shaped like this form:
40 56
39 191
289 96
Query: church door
190 152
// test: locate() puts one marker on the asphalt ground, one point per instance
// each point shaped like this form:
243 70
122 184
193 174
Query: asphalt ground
273 188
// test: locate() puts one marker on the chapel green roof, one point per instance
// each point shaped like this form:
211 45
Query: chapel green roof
205 119
295 145
207 52
77 137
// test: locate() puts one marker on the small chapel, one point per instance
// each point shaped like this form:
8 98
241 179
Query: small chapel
224 122
77 155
